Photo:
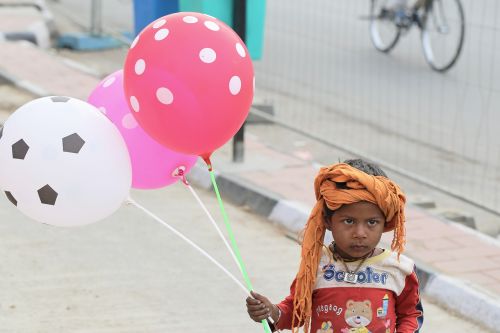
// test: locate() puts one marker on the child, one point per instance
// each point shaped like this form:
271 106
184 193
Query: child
351 286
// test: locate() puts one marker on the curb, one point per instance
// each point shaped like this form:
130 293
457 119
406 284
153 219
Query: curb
24 85
448 292
464 300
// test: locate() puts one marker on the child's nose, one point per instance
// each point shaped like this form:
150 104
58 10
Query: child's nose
360 231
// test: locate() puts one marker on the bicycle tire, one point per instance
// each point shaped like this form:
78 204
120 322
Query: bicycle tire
429 52
375 34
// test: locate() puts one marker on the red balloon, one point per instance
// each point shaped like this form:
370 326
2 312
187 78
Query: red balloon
189 78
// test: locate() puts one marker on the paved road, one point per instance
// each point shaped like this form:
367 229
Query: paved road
130 274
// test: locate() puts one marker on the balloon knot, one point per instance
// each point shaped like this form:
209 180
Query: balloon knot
206 158
180 172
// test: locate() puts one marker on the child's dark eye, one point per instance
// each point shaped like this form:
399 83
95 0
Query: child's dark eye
349 221
372 223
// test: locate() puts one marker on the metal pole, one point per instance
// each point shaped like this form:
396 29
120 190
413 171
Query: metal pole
239 24
96 18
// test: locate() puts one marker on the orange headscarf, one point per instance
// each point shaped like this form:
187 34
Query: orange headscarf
359 186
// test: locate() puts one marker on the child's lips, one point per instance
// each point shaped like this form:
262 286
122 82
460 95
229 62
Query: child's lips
359 247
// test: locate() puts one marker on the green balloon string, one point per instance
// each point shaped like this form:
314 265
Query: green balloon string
233 243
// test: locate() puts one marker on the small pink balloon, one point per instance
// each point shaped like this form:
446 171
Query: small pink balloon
153 165
189 80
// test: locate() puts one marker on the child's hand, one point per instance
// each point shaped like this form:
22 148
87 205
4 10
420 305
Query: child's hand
260 308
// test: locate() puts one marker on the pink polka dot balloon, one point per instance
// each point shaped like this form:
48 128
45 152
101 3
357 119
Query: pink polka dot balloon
188 78
153 165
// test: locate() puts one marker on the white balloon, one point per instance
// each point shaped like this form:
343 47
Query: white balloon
63 163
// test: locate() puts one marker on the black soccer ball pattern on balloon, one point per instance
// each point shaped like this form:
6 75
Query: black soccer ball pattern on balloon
72 143
20 149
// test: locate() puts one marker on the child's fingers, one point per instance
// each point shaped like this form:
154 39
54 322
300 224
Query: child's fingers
258 296
260 318
256 307
253 301
259 313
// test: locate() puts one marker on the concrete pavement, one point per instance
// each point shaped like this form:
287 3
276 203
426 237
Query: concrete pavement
130 274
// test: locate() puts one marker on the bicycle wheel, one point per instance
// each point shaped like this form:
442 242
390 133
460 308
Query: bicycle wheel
443 29
384 32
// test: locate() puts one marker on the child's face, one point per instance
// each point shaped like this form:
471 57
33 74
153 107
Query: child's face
356 228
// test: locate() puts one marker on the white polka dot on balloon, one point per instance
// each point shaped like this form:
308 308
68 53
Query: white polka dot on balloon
140 66
135 103
134 43
129 122
208 55
212 25
190 19
159 23
102 109
161 34
109 82
241 50
164 95
235 85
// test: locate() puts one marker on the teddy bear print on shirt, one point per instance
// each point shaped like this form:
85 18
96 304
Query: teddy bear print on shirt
358 315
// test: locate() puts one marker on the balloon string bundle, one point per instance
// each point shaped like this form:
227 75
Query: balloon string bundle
190 242
182 175
233 240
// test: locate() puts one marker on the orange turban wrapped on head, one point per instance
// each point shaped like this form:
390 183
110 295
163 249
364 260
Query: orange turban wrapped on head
337 185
